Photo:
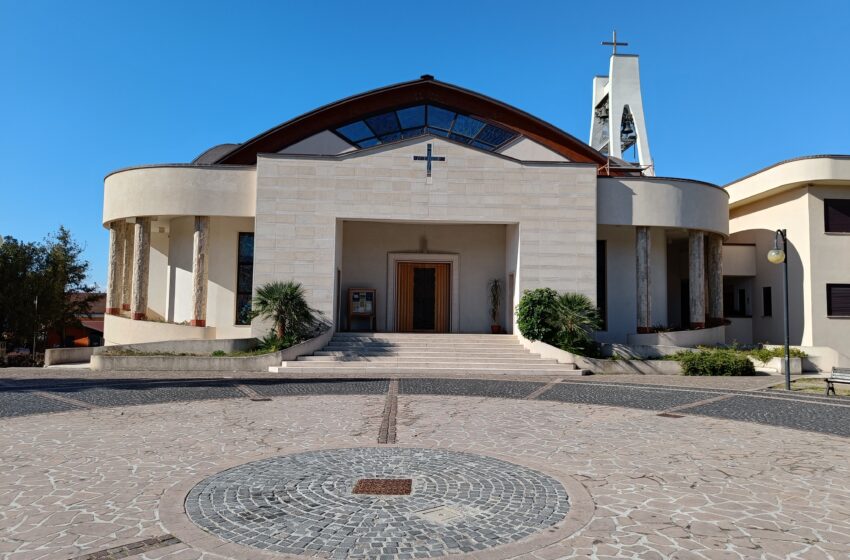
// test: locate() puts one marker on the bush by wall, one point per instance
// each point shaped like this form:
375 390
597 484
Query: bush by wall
566 321
718 361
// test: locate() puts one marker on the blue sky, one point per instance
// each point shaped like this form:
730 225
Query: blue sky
87 87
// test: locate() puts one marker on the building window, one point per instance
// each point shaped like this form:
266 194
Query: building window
244 278
602 282
836 215
767 302
838 300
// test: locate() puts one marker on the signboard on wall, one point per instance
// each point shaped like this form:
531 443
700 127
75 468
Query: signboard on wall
361 304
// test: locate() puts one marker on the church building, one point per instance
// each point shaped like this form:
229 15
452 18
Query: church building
396 208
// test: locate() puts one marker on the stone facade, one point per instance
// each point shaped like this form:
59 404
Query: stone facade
300 200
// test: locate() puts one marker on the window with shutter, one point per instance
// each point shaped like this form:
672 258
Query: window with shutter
836 217
838 300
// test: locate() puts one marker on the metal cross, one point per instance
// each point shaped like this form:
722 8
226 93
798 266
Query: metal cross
614 43
429 158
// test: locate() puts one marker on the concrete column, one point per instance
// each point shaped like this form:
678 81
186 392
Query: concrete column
115 281
696 278
715 279
199 271
127 279
643 248
141 263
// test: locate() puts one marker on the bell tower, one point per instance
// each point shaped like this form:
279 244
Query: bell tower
617 120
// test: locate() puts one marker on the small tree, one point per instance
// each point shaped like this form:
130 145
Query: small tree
579 319
495 300
285 305
567 321
537 315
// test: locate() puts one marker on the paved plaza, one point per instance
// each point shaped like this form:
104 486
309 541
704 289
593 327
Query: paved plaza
499 468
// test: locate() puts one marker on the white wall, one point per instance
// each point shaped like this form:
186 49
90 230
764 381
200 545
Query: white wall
481 250
300 199
221 286
180 269
158 279
662 202
179 190
756 223
526 149
830 264
622 281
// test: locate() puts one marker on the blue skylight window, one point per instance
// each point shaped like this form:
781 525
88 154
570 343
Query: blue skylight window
356 131
419 120
383 124
467 126
440 118
412 117
494 135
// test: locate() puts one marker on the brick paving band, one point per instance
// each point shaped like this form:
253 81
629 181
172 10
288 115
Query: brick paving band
250 392
132 549
533 395
387 431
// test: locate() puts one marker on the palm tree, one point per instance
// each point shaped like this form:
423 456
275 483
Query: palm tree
578 319
284 303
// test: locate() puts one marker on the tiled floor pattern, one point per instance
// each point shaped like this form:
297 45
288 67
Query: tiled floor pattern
699 486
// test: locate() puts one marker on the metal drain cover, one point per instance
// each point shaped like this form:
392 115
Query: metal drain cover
383 486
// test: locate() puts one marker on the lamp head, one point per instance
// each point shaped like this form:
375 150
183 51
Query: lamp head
776 256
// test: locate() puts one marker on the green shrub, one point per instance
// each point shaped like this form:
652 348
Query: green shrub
219 353
716 362
566 321
537 315
763 355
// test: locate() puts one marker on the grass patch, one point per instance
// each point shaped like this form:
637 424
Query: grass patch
817 386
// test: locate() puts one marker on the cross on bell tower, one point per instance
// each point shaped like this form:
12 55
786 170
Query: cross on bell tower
613 43
617 119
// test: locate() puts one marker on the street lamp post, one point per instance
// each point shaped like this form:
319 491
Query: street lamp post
35 328
779 255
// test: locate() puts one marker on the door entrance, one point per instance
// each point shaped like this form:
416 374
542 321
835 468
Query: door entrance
423 297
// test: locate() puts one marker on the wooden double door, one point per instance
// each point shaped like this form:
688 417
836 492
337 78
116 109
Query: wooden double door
424 299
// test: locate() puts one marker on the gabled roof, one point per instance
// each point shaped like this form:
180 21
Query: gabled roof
424 90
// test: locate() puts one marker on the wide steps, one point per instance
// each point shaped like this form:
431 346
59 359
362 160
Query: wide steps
426 360
401 371
409 354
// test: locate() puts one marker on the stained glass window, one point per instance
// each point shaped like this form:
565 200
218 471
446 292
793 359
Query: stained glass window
410 122
244 278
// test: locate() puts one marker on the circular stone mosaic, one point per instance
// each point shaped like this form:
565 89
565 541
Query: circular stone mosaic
305 504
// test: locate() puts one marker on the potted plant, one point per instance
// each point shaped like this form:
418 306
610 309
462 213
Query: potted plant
495 305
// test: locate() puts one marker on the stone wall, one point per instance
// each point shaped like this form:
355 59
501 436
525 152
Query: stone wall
300 201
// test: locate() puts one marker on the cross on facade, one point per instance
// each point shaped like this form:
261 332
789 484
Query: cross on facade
429 158
613 43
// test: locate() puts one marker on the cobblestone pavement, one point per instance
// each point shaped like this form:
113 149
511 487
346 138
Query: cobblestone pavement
74 483
82 481
801 411
303 503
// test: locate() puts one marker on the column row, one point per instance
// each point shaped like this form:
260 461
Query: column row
129 268
700 253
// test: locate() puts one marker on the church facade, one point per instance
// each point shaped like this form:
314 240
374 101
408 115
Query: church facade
395 209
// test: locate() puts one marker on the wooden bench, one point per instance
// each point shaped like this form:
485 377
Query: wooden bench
839 375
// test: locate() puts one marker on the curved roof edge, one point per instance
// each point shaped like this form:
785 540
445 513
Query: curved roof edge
209 166
215 153
787 175
784 161
425 89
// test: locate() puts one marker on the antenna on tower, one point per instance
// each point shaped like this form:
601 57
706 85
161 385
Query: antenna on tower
617 118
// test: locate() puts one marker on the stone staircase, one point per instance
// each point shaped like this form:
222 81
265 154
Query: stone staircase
423 354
